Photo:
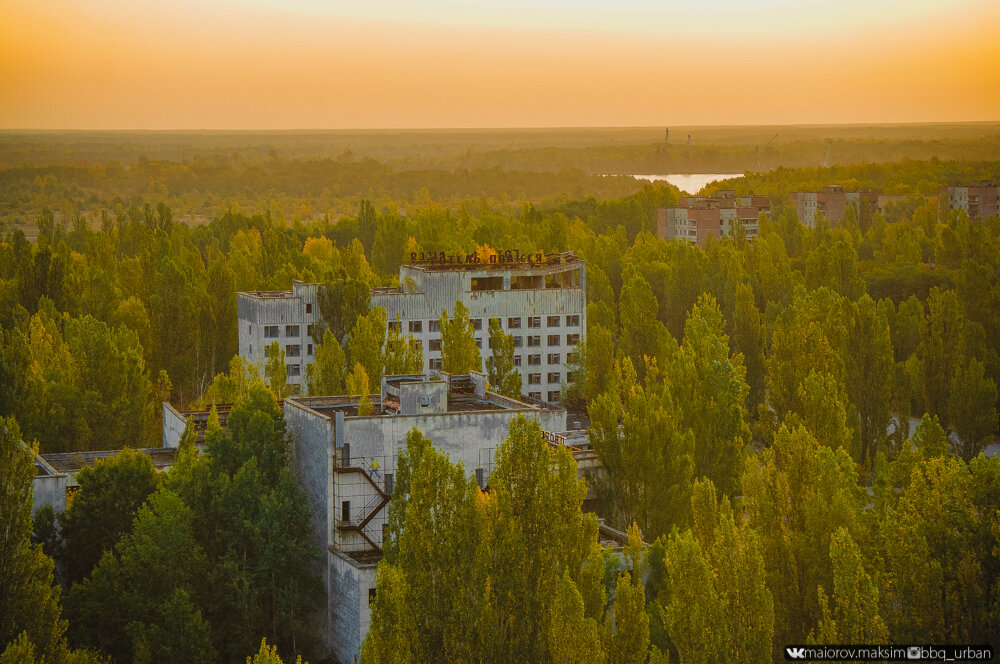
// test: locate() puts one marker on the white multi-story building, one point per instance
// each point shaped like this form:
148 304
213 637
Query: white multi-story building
540 300
346 464
283 316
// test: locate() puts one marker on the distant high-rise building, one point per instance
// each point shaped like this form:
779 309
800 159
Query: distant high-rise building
283 316
696 218
832 201
979 200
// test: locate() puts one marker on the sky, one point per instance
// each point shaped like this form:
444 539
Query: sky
332 64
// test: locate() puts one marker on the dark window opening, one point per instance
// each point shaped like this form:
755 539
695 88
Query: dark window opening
487 283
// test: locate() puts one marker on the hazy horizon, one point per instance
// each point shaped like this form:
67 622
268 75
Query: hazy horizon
309 65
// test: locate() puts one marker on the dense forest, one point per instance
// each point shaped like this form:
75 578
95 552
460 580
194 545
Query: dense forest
750 402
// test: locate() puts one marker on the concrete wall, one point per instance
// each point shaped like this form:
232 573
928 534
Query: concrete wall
348 609
439 290
49 487
436 402
173 426
256 311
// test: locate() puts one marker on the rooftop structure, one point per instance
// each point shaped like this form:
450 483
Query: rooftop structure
55 474
175 421
346 464
539 299
979 200
832 201
283 316
696 218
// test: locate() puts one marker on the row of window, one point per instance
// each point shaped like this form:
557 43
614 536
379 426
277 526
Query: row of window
552 377
274 331
554 395
513 323
552 359
291 350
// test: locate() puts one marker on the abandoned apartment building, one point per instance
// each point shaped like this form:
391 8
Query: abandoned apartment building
539 300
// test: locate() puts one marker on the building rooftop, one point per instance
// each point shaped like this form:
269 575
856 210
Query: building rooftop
71 462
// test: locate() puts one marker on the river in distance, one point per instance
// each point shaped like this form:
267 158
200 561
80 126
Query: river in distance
689 182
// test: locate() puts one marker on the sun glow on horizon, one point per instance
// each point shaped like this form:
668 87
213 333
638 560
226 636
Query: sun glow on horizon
310 64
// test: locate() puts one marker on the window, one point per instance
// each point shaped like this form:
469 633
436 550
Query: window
293 370
517 360
555 377
416 326
487 283
309 330
345 511
535 340
390 483
518 342
251 350
573 321
553 339
554 396
309 308
479 343
534 321
572 358
436 364
477 324
513 323
434 345
554 358
433 326
480 476
309 350
534 360
292 351
572 339
535 395
552 321
394 326
270 331
534 379
291 330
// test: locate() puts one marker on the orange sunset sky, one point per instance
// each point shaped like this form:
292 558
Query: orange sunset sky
300 64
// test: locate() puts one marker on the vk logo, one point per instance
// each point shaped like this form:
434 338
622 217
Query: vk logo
796 653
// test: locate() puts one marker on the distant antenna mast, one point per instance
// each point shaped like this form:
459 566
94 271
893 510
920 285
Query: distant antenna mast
826 159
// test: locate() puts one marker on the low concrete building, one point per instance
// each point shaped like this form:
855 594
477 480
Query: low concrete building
540 300
832 201
346 464
175 421
283 316
980 200
55 474
697 218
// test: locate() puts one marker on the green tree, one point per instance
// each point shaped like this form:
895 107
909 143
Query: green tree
573 637
648 457
641 331
628 638
357 386
854 617
275 371
110 495
972 407
930 438
29 602
140 597
325 376
710 389
869 373
459 351
367 344
403 355
940 349
500 370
